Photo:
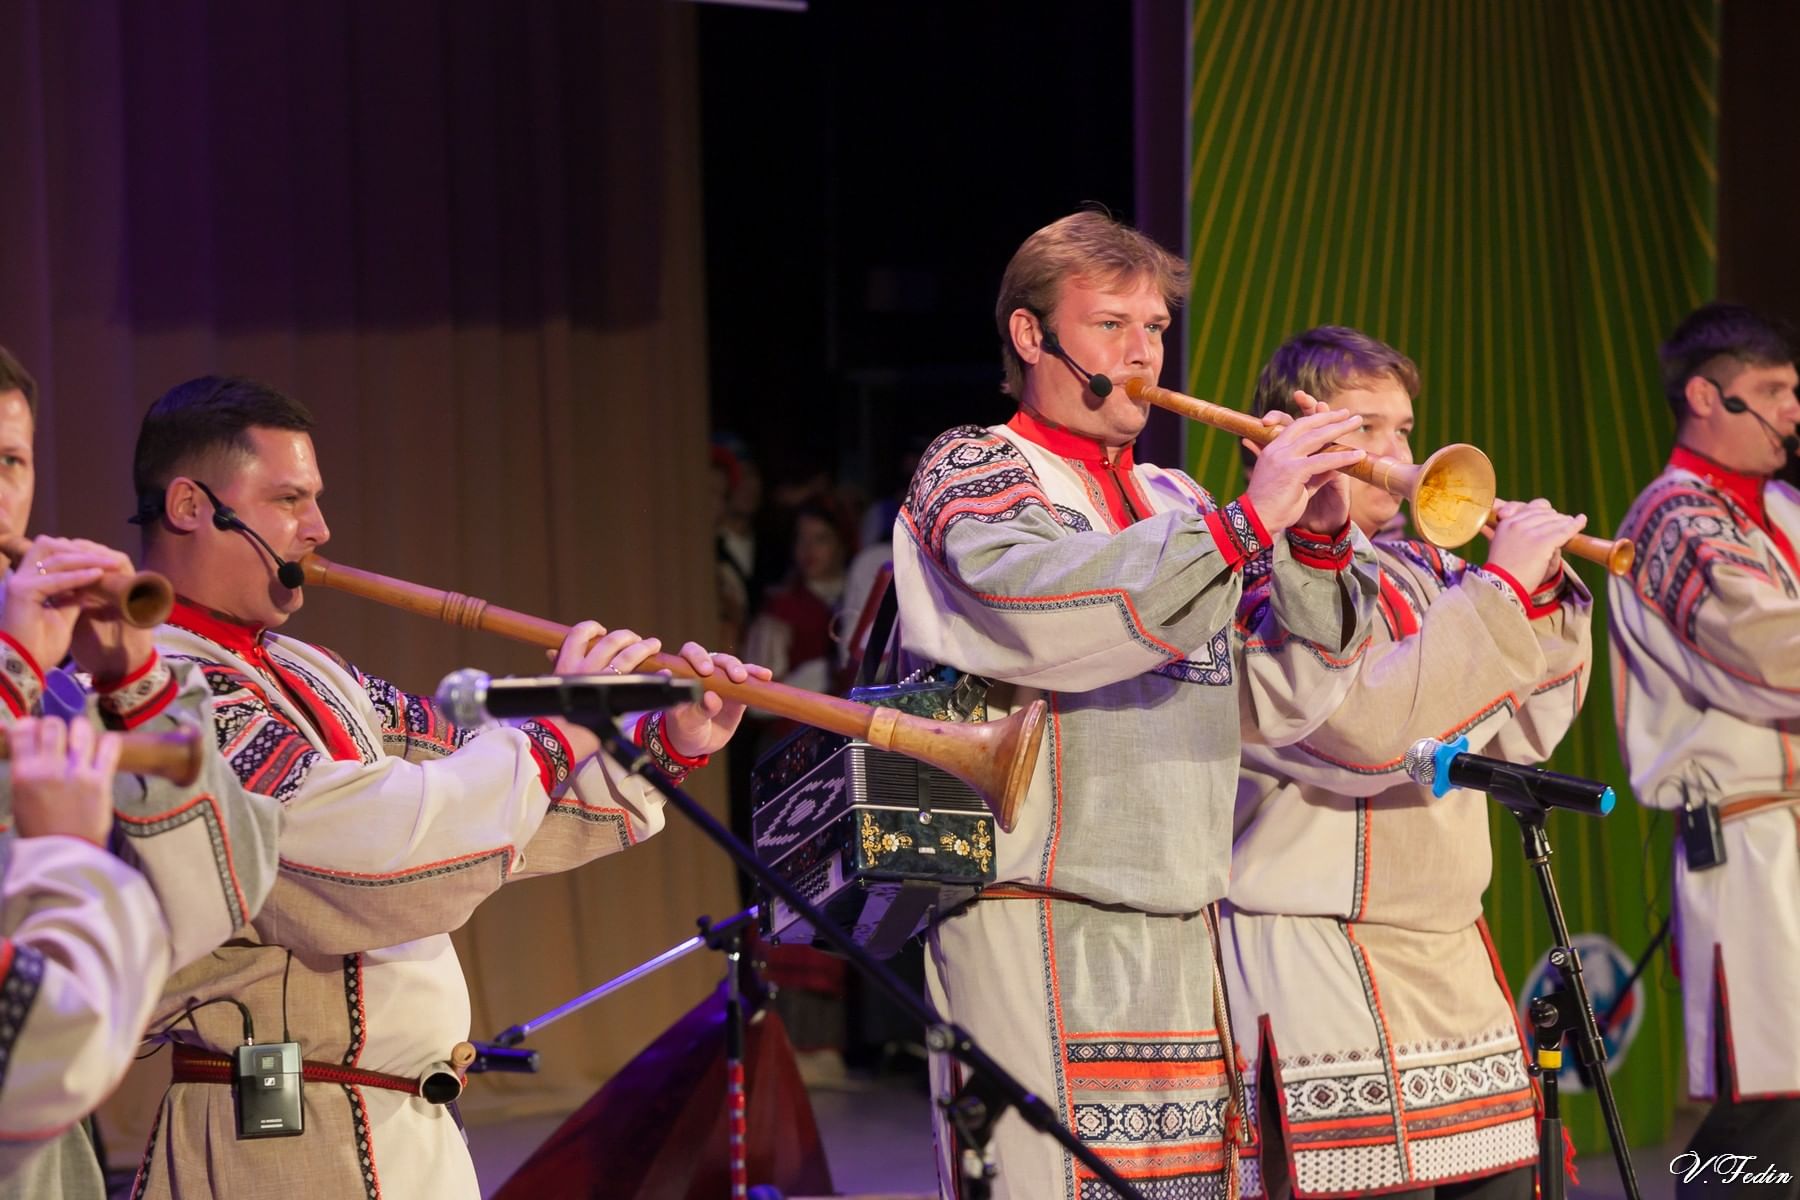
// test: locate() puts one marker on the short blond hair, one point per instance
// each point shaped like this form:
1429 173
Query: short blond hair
1086 245
1325 361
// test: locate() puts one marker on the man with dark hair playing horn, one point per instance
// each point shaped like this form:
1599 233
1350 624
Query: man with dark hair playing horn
108 881
396 823
1366 992
1704 636
1038 553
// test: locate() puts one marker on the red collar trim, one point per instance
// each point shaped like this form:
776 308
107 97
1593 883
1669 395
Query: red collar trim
1059 439
236 636
1747 490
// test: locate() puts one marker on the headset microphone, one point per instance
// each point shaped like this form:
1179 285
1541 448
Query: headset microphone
291 574
1736 404
1100 385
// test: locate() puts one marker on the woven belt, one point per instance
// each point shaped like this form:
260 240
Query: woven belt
193 1065
1733 810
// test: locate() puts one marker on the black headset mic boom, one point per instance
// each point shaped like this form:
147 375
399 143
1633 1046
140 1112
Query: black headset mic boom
1100 385
1736 404
291 574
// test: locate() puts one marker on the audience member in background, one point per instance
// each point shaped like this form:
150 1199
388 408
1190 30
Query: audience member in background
793 630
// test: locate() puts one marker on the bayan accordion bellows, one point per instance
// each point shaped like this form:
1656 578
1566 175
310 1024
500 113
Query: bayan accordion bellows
882 843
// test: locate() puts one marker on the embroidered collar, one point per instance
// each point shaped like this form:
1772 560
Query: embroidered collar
1059 439
1745 490
242 639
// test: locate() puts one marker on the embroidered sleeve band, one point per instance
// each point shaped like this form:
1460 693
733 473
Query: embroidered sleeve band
139 696
1326 551
21 679
653 735
1238 531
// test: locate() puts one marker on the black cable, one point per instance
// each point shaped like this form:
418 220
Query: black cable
285 968
187 1012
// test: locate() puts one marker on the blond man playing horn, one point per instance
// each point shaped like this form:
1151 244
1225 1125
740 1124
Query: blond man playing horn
107 882
396 822
1041 554
1706 665
1369 1002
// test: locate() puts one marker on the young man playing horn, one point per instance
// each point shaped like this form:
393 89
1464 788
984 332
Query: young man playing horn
1040 554
1704 634
396 823
107 882
1366 993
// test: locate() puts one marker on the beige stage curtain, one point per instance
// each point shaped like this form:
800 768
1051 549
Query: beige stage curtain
468 235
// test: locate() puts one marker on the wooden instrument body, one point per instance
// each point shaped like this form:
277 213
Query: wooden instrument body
995 758
145 598
1451 493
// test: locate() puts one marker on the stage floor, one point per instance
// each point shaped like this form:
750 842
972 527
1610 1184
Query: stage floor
877 1136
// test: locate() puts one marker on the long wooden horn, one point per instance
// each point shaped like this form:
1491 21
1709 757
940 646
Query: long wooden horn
1616 555
144 599
1451 493
993 757
177 755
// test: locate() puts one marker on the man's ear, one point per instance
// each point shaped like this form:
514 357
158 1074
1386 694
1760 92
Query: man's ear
1027 335
184 507
1701 396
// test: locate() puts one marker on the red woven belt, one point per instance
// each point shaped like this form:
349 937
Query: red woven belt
193 1065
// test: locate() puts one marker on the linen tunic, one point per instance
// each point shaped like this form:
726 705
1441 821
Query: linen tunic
1356 958
1023 556
1706 671
396 824
91 933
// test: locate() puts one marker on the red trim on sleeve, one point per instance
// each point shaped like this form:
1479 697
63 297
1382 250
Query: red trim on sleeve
1533 610
113 685
113 698
25 654
1223 539
1256 521
690 764
1325 551
547 768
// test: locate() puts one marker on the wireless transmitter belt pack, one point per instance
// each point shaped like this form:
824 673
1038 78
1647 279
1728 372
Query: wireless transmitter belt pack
266 1078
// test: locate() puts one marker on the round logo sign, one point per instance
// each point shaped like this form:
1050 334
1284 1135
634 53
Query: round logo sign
1605 967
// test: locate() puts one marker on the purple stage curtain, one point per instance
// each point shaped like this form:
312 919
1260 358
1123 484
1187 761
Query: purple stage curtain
468 235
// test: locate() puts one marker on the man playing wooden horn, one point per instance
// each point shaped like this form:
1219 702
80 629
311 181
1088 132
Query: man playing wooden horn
396 824
110 883
1367 995
1704 635
1041 554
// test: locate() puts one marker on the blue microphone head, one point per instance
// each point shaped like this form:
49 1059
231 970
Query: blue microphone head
1441 759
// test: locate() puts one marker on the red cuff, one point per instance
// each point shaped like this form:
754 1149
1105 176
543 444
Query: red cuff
15 680
662 733
25 654
1237 531
139 696
555 757
1325 551
1533 609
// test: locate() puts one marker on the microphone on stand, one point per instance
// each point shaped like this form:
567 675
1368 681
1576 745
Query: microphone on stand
1736 404
1100 385
291 574
472 697
1441 766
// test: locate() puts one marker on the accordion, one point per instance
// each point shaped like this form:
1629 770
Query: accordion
882 843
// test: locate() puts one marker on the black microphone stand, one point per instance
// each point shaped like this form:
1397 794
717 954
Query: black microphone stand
1564 1013
990 1090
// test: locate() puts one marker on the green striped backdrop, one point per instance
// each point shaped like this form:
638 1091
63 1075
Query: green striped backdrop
1520 195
